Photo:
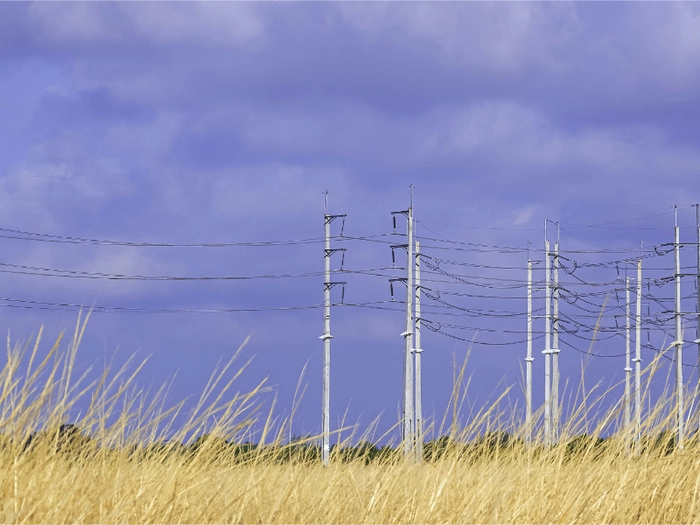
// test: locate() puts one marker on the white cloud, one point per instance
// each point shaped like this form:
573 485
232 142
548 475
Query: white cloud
523 215
75 22
678 40
505 36
219 22
161 22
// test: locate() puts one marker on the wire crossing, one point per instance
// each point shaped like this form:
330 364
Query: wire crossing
614 304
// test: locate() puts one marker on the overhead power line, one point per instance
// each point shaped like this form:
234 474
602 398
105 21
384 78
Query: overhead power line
23 269
22 235
48 305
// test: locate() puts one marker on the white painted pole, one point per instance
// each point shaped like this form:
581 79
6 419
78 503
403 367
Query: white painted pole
529 359
547 354
628 367
555 347
697 312
325 418
418 353
638 354
679 337
408 391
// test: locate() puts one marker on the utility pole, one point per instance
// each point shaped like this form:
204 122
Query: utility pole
555 345
418 350
407 427
547 351
529 359
697 311
408 412
679 335
638 354
326 337
628 367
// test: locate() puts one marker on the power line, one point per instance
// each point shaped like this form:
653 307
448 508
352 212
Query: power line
47 305
67 239
24 235
80 274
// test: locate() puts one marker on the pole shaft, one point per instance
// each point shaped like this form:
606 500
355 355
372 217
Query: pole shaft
697 329
638 354
326 342
528 359
418 353
679 341
547 350
408 391
555 347
628 367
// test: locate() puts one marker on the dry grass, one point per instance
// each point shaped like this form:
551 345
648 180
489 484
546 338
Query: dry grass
121 475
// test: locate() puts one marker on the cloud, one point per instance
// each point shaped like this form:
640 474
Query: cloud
494 36
228 24
202 122
162 24
523 215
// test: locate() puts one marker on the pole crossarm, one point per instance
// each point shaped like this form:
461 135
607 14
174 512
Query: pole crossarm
394 247
330 218
393 280
395 213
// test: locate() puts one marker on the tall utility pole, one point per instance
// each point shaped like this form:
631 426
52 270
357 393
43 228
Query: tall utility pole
555 345
408 410
529 359
638 354
697 312
408 416
547 352
679 335
628 367
418 350
327 285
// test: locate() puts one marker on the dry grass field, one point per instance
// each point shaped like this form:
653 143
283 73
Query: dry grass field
114 466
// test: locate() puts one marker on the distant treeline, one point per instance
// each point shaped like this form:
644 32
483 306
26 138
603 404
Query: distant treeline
68 438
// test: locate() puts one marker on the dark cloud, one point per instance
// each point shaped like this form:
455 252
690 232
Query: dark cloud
190 122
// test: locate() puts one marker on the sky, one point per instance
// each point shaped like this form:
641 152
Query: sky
224 123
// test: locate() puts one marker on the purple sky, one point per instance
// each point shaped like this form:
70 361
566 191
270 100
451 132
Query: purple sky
225 122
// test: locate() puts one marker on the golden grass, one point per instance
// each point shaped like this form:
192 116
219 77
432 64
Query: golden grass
120 474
